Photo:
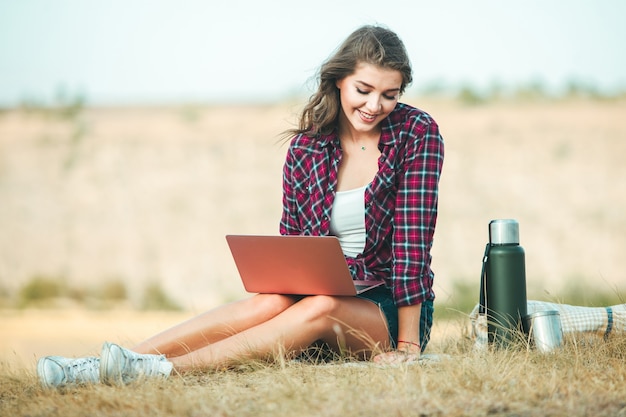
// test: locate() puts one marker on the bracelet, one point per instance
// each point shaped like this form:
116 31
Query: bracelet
410 343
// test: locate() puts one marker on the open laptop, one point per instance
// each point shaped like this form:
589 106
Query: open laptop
303 265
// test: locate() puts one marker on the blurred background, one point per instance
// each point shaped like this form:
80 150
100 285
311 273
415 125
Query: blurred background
135 135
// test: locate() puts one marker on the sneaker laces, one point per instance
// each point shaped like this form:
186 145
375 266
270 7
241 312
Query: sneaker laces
83 370
149 365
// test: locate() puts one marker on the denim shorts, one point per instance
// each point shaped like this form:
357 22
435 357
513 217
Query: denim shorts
381 296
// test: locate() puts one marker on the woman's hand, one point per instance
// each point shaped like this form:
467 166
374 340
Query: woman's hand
406 352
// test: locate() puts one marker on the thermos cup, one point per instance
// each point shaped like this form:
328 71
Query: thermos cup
545 330
503 283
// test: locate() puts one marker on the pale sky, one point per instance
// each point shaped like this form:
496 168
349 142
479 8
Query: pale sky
155 51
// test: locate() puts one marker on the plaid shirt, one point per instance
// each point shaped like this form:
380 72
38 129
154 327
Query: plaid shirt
400 202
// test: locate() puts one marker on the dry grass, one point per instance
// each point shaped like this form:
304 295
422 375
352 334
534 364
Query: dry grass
586 377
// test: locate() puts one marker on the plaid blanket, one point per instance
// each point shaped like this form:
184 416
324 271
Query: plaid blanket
599 320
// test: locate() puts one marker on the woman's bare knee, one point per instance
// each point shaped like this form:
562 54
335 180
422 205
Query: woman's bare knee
320 308
271 304
341 320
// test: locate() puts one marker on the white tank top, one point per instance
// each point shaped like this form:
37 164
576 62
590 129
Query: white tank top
347 220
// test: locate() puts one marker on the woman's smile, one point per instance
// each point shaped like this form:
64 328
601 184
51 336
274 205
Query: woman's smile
367 117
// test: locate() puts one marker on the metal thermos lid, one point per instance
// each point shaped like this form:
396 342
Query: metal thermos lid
504 232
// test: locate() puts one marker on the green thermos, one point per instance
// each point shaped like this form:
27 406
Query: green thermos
503 283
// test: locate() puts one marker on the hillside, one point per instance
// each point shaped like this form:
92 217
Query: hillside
144 195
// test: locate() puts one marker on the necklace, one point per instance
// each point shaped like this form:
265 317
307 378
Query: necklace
362 148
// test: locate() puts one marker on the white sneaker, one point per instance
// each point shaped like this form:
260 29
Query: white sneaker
57 371
120 365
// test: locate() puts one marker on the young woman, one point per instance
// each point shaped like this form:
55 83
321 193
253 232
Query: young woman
360 166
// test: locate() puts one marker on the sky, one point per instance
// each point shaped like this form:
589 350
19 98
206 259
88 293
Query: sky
169 51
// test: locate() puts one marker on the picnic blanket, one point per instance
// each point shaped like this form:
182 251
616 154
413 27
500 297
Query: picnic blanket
599 320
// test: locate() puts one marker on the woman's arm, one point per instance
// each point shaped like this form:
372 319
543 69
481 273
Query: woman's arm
415 213
408 328
289 222
414 226
408 348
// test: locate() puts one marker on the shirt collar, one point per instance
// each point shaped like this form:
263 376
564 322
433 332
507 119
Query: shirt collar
331 138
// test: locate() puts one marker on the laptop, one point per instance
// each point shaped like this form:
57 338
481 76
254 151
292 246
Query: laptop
301 265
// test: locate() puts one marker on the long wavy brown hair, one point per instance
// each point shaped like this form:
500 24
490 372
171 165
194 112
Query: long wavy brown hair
369 44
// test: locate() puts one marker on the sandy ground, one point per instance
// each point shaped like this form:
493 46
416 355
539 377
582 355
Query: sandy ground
31 334
146 195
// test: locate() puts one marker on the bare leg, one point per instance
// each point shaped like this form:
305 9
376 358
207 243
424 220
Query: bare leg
355 323
216 324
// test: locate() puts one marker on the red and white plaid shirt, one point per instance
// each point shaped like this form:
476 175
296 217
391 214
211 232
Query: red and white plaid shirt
400 202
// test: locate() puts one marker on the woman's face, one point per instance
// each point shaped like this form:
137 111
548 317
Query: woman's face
367 96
